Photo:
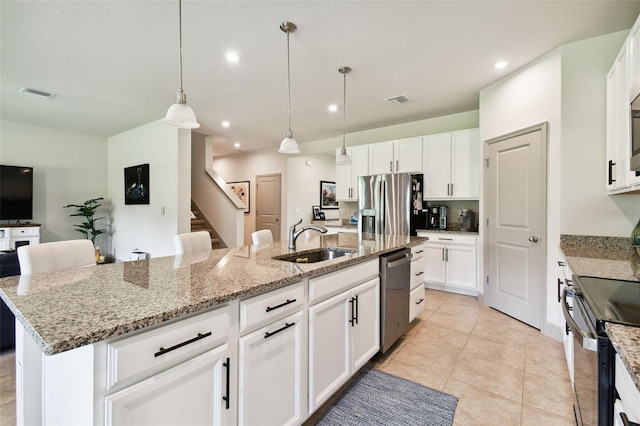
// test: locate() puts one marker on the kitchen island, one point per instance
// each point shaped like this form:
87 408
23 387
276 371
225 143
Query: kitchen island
80 331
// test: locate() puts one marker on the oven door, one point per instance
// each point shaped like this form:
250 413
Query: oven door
585 361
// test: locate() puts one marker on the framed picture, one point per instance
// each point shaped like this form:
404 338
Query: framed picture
136 184
241 188
328 195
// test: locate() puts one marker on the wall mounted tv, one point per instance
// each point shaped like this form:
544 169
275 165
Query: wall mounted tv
16 193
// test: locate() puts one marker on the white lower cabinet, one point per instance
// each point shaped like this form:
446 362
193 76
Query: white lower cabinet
564 280
344 333
194 392
628 402
272 374
416 297
450 263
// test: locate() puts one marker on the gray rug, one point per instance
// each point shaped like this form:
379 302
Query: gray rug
378 398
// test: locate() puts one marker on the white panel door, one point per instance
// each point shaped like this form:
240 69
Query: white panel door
516 179
271 374
329 348
465 164
268 190
187 394
365 341
408 155
381 158
436 165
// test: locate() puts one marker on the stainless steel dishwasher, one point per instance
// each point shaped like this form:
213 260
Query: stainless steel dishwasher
395 277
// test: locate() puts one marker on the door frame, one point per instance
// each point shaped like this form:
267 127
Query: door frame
544 132
255 222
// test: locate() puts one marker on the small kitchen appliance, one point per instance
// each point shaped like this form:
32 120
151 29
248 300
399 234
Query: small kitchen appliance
433 217
467 220
443 217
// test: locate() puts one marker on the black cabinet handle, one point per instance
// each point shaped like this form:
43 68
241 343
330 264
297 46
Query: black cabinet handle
356 317
419 251
226 397
559 287
560 263
419 273
626 421
163 351
419 301
611 164
568 282
352 302
289 301
286 325
566 328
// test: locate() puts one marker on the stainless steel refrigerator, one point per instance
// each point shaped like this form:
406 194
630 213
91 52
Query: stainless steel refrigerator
390 204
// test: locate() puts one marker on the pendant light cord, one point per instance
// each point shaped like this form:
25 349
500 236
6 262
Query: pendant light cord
344 109
289 80
180 39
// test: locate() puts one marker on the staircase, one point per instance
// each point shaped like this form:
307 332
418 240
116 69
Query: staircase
200 223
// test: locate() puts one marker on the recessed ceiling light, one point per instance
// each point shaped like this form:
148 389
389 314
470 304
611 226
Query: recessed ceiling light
237 145
226 124
333 108
501 64
232 56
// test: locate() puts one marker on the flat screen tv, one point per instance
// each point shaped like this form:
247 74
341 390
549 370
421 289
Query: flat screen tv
16 193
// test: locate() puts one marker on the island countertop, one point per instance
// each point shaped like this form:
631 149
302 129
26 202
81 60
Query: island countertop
63 310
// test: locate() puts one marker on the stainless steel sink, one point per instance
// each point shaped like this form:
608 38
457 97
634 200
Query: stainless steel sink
313 256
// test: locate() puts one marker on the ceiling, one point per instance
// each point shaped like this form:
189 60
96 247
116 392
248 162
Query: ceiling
113 65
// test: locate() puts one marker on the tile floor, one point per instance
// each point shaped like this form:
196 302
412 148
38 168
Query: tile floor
502 371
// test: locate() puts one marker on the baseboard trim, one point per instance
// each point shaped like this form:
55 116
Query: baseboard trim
450 289
552 330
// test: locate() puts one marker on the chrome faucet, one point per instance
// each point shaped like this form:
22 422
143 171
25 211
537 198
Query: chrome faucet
294 234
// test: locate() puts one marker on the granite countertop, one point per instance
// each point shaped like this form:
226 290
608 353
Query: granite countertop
614 258
63 310
452 230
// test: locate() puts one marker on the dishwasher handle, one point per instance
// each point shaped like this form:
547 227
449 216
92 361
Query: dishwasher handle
396 263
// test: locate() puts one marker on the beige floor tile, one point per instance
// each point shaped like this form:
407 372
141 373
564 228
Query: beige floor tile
426 376
480 407
544 361
503 353
451 322
431 357
461 299
548 392
533 416
8 414
7 363
500 332
430 335
499 379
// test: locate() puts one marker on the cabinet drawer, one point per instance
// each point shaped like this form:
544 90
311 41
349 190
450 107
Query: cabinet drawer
417 252
24 232
271 306
452 239
416 302
150 352
629 393
331 284
417 272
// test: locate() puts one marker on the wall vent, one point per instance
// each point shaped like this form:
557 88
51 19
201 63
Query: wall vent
397 100
37 92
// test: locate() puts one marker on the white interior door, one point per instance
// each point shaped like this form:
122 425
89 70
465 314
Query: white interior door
268 204
516 178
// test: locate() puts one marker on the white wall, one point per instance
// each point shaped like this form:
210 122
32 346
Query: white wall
565 88
586 208
303 188
151 228
69 168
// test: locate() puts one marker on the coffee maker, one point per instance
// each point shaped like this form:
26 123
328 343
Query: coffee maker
436 217
467 220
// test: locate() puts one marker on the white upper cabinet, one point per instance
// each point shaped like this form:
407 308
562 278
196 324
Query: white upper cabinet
401 156
634 60
451 164
347 176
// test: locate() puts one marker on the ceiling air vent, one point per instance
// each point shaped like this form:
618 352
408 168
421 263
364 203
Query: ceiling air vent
397 100
37 92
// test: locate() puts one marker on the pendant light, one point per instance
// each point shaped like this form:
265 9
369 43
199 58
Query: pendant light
343 159
288 144
180 114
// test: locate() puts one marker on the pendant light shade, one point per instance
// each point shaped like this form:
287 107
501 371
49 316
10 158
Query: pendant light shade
180 114
343 159
288 145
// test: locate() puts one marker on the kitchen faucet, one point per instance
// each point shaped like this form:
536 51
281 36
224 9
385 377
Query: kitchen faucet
293 234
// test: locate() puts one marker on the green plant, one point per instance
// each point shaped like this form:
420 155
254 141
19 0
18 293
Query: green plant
88 211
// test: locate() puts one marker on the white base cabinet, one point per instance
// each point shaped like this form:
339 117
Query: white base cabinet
564 279
344 333
416 296
450 263
190 393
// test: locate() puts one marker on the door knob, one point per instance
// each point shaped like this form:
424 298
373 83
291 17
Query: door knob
533 239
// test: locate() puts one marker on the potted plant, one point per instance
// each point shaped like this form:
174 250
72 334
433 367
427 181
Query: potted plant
88 211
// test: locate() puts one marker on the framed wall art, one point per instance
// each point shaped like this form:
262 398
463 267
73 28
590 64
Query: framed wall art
328 195
136 184
241 188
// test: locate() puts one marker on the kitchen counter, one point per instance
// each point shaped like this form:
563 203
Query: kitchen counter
615 258
452 230
68 309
